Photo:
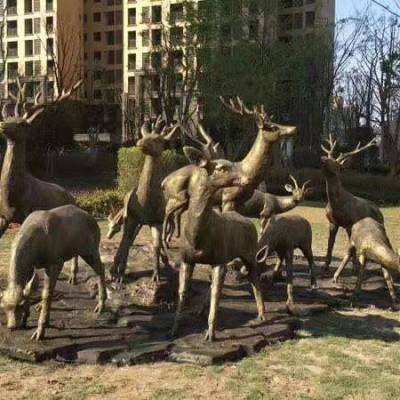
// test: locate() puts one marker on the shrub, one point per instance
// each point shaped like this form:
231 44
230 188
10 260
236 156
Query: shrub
100 202
131 161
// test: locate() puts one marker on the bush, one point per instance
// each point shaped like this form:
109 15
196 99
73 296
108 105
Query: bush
131 161
100 202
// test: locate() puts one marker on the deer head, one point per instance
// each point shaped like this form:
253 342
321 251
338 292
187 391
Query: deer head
271 131
17 126
15 303
156 137
332 165
298 193
115 220
203 141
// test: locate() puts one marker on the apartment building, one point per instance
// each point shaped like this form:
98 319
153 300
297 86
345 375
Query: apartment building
111 42
41 36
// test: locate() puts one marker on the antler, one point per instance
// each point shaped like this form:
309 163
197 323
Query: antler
38 107
292 178
331 147
343 157
237 106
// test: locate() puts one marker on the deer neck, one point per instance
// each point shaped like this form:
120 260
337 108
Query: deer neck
254 164
150 176
334 189
21 265
198 219
13 172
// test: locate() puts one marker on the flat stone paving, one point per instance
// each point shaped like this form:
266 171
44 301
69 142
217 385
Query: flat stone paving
131 333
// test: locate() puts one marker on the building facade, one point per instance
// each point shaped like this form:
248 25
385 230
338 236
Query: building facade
111 43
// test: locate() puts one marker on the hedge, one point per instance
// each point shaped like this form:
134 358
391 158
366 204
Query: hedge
100 202
131 161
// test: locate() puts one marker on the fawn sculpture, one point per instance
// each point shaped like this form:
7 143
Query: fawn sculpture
145 205
283 234
20 192
215 238
369 242
46 240
343 208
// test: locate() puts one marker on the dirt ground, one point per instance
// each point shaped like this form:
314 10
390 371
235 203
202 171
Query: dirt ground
345 354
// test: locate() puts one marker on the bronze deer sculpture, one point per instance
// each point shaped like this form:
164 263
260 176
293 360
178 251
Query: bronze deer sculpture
343 208
145 205
253 166
20 192
369 242
203 227
283 234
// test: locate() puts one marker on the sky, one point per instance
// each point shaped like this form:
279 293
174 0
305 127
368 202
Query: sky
348 8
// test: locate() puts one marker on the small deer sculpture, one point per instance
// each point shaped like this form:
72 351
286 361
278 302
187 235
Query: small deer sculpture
145 205
369 242
343 208
282 234
215 238
46 240
20 192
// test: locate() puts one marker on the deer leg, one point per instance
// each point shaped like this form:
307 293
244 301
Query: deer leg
130 232
95 263
156 234
277 270
390 285
333 230
4 224
254 279
185 273
74 271
350 254
216 289
50 280
308 254
357 290
289 279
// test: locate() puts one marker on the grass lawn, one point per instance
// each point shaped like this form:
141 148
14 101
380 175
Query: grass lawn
340 355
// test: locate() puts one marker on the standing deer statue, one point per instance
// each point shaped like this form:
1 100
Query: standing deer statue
369 242
46 240
215 238
283 234
145 205
253 166
343 208
20 192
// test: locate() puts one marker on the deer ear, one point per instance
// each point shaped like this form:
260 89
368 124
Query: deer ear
195 156
289 188
262 254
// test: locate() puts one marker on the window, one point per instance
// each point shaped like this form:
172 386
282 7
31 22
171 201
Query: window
132 16
97 56
145 15
118 37
97 94
37 68
177 35
110 57
12 28
12 69
12 7
176 13
36 25
118 57
145 38
310 19
28 48
156 37
29 68
97 17
156 14
49 5
110 18
49 24
50 46
97 75
50 67
132 40
146 60
298 21
37 47
131 85
36 5
285 22
28 27
131 62
110 38
12 49
28 6
118 17
97 36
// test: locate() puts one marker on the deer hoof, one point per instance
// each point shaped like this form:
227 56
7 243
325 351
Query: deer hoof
38 334
209 336
99 309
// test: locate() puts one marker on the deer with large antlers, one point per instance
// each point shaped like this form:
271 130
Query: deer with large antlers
20 192
343 208
254 164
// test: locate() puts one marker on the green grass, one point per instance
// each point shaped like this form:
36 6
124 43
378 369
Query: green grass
339 355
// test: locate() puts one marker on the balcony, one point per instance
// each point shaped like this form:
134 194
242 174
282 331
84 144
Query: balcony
11 10
12 52
12 32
